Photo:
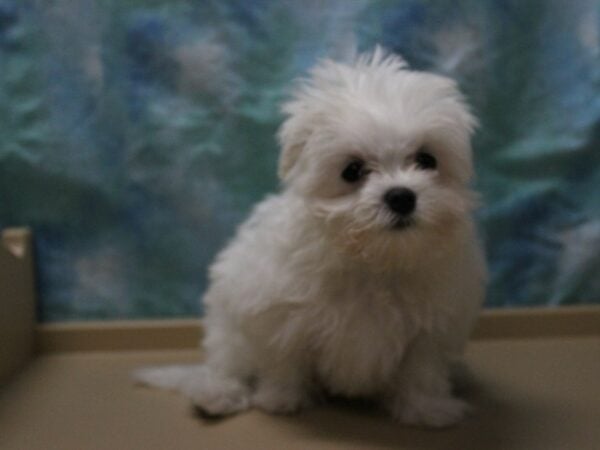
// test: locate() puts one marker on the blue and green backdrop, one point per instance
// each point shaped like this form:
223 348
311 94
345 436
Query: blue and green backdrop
135 135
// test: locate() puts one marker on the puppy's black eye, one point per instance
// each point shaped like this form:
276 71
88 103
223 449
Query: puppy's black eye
354 171
426 161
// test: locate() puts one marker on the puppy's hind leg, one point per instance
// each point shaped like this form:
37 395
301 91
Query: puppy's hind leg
212 392
217 394
282 385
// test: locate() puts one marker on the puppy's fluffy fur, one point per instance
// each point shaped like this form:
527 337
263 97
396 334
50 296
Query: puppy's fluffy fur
331 285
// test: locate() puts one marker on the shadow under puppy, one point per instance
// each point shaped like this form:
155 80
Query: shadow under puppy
363 276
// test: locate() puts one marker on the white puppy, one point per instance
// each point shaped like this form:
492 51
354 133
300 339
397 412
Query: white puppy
363 277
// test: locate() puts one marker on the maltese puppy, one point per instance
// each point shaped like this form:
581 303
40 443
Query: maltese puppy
364 276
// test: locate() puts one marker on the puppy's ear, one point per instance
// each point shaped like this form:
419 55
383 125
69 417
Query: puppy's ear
293 136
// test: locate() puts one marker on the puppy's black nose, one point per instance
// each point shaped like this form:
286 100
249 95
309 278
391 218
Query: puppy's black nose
401 200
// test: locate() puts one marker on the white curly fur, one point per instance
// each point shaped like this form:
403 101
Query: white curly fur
318 290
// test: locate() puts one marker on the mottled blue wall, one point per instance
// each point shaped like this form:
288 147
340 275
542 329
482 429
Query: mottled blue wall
135 135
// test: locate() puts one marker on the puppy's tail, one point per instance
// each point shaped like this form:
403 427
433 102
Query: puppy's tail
172 378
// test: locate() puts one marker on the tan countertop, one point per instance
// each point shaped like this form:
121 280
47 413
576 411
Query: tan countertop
528 394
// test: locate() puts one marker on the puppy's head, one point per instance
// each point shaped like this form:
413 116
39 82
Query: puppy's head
381 154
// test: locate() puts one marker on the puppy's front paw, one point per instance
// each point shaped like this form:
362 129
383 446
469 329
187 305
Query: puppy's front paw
279 399
431 411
